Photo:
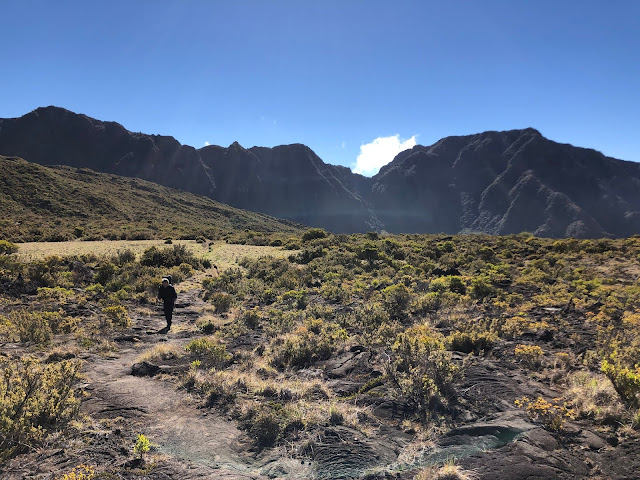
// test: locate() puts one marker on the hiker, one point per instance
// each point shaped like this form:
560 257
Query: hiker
168 294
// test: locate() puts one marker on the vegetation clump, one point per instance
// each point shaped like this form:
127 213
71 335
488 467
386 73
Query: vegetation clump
35 401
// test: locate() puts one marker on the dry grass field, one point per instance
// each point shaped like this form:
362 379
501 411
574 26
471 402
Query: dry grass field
221 254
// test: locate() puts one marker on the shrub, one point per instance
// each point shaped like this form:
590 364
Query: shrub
35 401
168 257
369 252
141 446
471 342
31 326
530 355
118 315
81 472
211 352
447 246
307 344
313 233
295 299
396 299
428 303
221 301
264 427
515 326
625 380
125 256
551 415
105 272
421 369
207 324
481 287
307 254
457 285
54 294
251 318
7 248
370 317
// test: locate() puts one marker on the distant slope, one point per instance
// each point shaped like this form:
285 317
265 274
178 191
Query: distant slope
492 182
55 203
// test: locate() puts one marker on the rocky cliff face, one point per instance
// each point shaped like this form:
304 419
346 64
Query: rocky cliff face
493 182
508 182
54 136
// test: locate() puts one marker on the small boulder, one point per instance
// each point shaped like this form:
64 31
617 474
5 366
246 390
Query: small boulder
145 369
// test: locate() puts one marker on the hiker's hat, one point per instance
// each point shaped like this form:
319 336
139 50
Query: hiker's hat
165 279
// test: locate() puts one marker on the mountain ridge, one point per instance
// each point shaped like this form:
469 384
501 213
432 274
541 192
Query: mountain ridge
491 182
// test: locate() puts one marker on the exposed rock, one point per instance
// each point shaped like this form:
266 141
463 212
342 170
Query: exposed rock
145 369
345 453
347 363
344 388
592 441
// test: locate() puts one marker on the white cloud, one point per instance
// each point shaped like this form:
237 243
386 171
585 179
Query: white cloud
375 155
206 144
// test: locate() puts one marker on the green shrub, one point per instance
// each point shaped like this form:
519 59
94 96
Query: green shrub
118 315
105 272
54 294
36 400
396 299
32 327
428 303
168 257
94 289
457 285
7 248
625 380
206 325
270 423
471 342
206 350
307 254
221 301
481 287
125 257
295 299
251 318
307 344
422 370
313 233
141 446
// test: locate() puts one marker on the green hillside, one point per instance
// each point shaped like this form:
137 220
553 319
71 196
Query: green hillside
63 203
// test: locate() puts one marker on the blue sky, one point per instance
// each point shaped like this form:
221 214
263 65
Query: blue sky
339 76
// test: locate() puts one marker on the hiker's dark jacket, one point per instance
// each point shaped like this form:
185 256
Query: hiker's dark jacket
167 294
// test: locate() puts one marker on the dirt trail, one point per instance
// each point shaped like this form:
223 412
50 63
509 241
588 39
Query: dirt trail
197 442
